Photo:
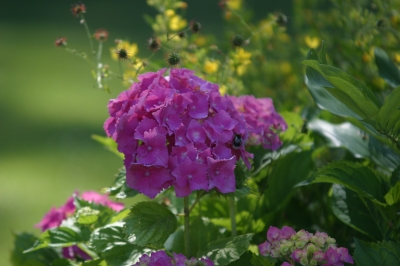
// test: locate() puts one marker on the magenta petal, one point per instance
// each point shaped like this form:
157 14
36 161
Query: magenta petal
199 107
195 132
147 179
221 173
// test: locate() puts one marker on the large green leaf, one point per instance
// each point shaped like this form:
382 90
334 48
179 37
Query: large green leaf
119 188
281 179
388 118
57 237
150 223
354 176
109 241
316 82
393 196
224 251
360 144
346 89
42 257
351 210
249 258
379 254
387 69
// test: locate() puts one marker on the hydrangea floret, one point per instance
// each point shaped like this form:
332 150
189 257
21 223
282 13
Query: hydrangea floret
160 258
303 247
55 217
179 131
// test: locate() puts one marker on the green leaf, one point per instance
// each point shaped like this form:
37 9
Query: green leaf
356 177
100 213
108 144
281 179
260 261
123 255
119 188
150 223
63 262
393 196
98 262
41 257
388 118
354 140
224 251
322 54
346 89
351 210
395 176
107 237
87 215
379 254
315 83
57 237
387 69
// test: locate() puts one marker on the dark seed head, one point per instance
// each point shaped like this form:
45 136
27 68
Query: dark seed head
237 141
173 59
153 44
238 41
195 26
281 19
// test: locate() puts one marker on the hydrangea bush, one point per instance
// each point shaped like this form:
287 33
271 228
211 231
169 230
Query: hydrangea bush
210 164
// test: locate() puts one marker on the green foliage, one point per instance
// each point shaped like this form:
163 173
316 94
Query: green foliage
119 188
381 253
227 250
149 223
356 177
108 144
387 70
40 257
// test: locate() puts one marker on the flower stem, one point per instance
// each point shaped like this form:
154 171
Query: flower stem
99 65
232 213
187 232
88 33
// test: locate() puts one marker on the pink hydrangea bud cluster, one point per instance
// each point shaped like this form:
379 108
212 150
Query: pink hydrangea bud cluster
160 258
177 131
262 121
56 216
304 247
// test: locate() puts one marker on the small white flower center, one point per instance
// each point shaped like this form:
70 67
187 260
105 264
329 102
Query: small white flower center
216 172
149 148
147 173
189 176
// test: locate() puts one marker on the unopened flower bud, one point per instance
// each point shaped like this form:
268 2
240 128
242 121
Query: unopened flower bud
195 26
382 23
78 9
182 34
61 42
173 59
101 35
238 41
153 44
281 19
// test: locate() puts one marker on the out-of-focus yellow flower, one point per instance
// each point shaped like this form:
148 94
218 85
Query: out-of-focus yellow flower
234 4
169 13
311 42
211 67
266 27
200 41
378 82
192 58
285 67
177 23
223 89
284 37
241 69
131 49
182 5
241 55
397 57
368 56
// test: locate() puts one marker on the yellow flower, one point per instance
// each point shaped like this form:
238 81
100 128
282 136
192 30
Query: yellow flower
397 58
177 23
129 77
130 49
311 42
223 89
200 41
169 13
235 4
379 82
211 67
242 55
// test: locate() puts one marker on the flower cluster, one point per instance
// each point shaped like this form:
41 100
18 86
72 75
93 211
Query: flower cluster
56 216
304 247
262 121
177 130
160 258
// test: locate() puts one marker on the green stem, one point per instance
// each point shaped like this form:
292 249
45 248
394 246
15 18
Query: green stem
99 65
120 69
88 33
232 213
187 231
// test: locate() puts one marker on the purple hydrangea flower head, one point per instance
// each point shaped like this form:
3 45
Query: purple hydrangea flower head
304 247
262 121
168 126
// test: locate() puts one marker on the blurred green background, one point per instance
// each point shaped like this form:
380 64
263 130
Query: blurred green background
50 107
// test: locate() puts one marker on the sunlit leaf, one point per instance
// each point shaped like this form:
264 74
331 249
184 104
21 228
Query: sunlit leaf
109 144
